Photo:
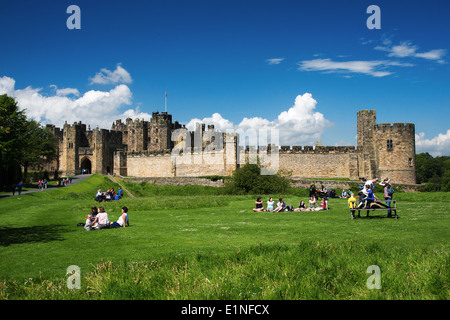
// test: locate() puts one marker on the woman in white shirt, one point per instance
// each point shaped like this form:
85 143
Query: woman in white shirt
123 219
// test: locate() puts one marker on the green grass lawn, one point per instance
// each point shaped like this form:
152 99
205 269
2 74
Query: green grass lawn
193 243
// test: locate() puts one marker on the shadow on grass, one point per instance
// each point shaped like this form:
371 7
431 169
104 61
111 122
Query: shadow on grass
48 233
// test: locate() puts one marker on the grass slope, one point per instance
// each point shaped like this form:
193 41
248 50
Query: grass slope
190 243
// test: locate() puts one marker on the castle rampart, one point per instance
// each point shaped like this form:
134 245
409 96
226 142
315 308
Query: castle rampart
143 148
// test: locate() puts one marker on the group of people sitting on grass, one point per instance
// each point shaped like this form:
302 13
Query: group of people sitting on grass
282 207
99 219
367 199
109 195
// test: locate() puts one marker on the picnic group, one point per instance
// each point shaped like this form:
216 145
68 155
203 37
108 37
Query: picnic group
108 195
98 219
367 199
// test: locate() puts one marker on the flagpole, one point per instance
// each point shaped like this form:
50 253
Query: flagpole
165 104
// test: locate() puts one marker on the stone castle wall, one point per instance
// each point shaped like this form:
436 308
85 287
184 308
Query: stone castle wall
145 149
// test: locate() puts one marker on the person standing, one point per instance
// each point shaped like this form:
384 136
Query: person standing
388 193
19 187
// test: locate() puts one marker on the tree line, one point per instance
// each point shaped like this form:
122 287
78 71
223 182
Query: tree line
434 172
24 143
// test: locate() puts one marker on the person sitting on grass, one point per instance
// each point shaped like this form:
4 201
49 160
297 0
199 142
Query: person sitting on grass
259 206
301 207
123 219
102 219
108 195
90 218
312 203
281 205
270 205
88 223
99 196
323 205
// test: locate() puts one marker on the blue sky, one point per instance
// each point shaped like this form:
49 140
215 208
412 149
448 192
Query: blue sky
303 67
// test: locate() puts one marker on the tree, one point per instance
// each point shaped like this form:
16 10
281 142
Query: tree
23 142
38 146
434 172
248 179
11 129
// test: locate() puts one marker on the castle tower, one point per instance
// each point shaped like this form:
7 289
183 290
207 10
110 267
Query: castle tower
386 150
366 122
395 151
160 132
73 138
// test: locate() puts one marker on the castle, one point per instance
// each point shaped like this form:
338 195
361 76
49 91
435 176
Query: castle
146 149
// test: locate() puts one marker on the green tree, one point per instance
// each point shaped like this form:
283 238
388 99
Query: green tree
248 179
38 146
23 142
434 172
12 122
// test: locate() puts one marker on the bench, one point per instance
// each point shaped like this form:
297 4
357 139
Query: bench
393 208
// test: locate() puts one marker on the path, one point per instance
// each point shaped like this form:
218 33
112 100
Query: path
75 180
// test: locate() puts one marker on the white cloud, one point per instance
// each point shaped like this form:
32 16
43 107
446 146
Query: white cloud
407 49
299 125
65 91
274 60
436 146
372 68
216 119
105 76
96 108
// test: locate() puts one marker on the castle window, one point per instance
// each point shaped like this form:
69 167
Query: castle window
156 129
70 145
410 162
156 140
148 140
390 145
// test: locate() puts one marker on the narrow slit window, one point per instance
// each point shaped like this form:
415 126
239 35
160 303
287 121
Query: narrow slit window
390 145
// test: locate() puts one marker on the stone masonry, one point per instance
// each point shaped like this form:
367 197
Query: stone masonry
146 149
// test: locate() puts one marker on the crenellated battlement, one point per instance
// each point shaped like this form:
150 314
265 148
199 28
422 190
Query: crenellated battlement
395 127
145 149
317 149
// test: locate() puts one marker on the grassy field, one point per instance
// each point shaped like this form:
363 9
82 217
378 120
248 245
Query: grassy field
194 243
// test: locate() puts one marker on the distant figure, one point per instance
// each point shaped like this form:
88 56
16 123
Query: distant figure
388 193
19 187
13 187
312 203
281 205
259 206
312 190
120 192
352 201
301 207
270 205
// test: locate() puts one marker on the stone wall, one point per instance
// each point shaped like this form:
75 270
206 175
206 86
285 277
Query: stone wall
176 181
